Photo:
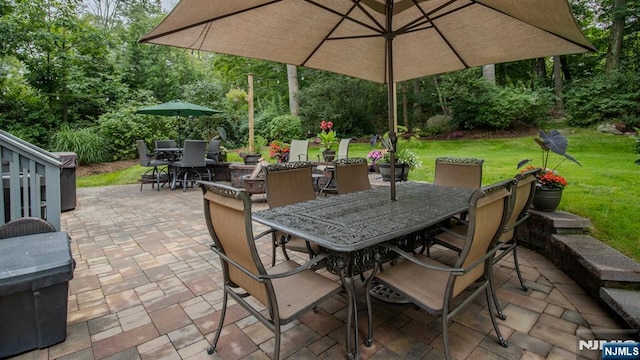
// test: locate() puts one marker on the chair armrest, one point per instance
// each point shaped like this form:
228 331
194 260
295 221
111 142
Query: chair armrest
410 257
261 278
266 232
518 222
307 265
489 254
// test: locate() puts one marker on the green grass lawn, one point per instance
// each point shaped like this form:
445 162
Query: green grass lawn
606 189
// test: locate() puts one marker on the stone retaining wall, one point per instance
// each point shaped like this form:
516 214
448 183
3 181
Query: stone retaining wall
606 274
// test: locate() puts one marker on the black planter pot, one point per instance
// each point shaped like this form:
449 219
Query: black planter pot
328 155
251 159
401 169
547 199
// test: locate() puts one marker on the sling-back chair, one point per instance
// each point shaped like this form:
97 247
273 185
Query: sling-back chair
434 286
352 174
298 150
289 183
286 290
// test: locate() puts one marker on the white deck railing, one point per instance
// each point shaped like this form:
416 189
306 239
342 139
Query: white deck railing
31 181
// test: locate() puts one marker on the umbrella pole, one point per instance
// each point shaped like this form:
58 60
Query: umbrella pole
390 95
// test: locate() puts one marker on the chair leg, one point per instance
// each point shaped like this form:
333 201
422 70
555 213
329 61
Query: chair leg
212 348
515 262
445 335
156 174
276 345
496 302
501 339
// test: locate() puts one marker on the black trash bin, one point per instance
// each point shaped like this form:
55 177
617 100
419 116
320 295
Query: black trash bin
68 180
34 282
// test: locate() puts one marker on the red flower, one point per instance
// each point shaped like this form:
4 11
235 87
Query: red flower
279 150
326 125
548 179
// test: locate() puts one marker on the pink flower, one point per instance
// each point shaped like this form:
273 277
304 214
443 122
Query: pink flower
326 125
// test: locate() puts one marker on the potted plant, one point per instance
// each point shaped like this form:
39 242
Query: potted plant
279 150
252 158
550 184
326 138
374 156
405 160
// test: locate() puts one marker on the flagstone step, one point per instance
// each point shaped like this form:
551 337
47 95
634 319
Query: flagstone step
625 303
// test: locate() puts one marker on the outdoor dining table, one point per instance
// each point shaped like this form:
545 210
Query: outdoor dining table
350 226
170 154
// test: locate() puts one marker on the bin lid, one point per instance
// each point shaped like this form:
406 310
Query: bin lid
34 261
68 159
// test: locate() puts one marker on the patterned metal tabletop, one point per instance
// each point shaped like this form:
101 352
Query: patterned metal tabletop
354 221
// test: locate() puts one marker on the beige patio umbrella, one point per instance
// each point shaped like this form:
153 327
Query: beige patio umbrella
379 40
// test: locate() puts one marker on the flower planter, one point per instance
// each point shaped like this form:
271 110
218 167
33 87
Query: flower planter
328 155
251 159
547 199
401 169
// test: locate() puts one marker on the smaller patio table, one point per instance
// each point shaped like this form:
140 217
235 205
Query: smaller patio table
350 226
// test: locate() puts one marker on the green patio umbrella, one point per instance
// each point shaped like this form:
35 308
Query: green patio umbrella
177 108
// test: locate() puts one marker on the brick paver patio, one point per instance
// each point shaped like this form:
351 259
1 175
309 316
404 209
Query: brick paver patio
146 286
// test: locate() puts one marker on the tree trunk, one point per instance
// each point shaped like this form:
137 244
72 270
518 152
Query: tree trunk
294 87
489 73
441 99
539 68
565 68
557 81
617 34
417 105
405 106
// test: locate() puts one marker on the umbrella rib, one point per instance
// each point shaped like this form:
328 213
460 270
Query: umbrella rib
343 17
535 26
426 17
413 26
205 32
146 39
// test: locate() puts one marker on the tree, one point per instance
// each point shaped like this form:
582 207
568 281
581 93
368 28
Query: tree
616 35
294 88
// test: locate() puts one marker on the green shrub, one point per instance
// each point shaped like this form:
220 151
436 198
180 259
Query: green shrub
283 127
87 143
479 104
121 129
603 97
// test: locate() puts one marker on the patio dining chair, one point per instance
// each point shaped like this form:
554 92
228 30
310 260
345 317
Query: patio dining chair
328 168
165 144
289 183
458 172
352 174
213 152
191 164
442 289
25 226
522 198
298 150
276 296
158 168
